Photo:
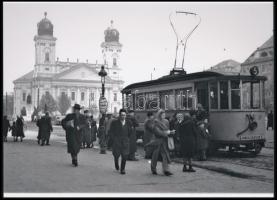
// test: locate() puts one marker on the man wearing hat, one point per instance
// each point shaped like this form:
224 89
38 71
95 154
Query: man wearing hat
74 123
45 129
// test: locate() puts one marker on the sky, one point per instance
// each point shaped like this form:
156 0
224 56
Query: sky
230 30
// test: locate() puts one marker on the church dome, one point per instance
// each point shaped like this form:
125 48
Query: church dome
111 34
45 27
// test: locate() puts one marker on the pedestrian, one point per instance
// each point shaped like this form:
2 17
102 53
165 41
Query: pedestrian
38 123
270 120
102 133
87 139
73 125
121 130
176 136
203 136
173 126
93 132
187 131
159 144
109 139
148 132
13 129
46 128
133 136
6 127
20 128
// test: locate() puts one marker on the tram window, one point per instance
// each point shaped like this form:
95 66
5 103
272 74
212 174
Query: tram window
213 95
224 95
251 95
140 101
151 101
235 94
184 98
167 100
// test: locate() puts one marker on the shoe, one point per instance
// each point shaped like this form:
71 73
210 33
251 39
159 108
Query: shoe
38 142
47 144
75 162
185 168
21 140
102 152
42 144
132 159
191 169
122 172
154 172
168 173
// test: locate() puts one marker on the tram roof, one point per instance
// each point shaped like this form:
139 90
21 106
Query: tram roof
191 76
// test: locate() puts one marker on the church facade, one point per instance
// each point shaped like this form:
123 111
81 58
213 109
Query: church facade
79 81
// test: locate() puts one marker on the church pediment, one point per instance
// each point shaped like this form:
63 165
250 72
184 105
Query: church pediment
79 73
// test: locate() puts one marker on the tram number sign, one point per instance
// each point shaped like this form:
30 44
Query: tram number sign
252 137
103 104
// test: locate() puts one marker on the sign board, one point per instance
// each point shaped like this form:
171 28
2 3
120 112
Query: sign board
103 105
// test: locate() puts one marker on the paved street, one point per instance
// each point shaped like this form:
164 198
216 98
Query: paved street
31 168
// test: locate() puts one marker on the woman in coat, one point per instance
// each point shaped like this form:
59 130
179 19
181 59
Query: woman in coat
203 137
187 131
74 124
20 128
87 140
121 130
13 129
159 144
148 133
45 128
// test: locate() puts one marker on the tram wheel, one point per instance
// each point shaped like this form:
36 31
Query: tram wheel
257 148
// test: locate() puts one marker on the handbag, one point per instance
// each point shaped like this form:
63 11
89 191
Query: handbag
170 143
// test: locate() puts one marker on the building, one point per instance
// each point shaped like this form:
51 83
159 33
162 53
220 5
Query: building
8 99
80 81
263 58
227 67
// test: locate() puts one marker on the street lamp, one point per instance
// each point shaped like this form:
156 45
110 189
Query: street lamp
103 73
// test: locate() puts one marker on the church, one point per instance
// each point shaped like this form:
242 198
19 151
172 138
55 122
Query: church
79 81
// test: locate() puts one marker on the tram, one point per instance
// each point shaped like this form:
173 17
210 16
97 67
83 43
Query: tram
235 104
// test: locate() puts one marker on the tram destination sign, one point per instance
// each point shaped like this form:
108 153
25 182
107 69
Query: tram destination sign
252 137
103 105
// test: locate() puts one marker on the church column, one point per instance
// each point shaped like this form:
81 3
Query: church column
78 96
87 98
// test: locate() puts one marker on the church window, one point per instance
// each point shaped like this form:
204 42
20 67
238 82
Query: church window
24 96
47 57
82 96
92 96
62 93
73 96
115 97
114 72
114 61
29 99
46 68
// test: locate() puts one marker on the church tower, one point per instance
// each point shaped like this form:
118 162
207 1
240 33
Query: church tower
45 46
111 50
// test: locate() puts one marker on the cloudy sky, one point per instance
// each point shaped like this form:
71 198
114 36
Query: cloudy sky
145 32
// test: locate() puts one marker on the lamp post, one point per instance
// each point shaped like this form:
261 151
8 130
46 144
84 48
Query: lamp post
103 104
103 73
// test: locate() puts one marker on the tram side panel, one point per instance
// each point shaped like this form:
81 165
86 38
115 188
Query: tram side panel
232 127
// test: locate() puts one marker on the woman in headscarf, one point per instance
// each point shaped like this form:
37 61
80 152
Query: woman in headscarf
159 144
188 132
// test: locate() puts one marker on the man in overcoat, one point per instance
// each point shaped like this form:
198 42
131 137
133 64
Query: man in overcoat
46 128
120 132
133 136
20 128
74 123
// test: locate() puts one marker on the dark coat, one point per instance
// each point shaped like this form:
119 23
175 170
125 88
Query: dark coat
39 129
270 120
93 130
87 136
203 136
73 136
45 127
6 127
19 127
13 129
187 131
148 131
160 140
120 144
133 136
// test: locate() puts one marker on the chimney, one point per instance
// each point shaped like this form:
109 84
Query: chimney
77 60
87 60
57 59
67 59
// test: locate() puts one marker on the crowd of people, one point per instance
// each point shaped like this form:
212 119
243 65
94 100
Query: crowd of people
17 128
184 135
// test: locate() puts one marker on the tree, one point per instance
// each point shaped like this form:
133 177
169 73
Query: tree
63 103
47 102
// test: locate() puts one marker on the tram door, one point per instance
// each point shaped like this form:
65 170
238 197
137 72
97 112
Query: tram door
202 94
